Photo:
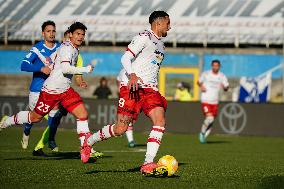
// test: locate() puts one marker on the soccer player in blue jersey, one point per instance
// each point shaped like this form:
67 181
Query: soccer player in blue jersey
38 62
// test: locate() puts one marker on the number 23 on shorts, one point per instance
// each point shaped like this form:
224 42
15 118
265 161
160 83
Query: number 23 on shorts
43 107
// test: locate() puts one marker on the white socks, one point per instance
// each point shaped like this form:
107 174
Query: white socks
129 133
103 134
82 129
207 122
20 118
153 143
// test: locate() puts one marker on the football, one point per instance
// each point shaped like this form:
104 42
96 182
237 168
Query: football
170 163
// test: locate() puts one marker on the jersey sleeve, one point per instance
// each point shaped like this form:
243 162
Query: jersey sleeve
225 81
29 64
137 44
201 78
65 54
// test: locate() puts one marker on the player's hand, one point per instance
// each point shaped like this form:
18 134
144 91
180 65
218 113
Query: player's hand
48 61
225 88
90 67
83 85
203 89
133 82
46 70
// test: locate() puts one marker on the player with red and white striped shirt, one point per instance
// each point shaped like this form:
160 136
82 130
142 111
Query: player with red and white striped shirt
57 90
138 88
211 82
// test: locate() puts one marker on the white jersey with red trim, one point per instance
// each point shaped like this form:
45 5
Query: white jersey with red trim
213 83
148 52
121 75
58 82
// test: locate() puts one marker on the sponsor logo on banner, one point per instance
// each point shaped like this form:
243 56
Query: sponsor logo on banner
233 118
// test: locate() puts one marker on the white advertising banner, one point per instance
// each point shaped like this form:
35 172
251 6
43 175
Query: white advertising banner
193 21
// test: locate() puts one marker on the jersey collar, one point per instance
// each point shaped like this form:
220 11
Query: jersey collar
72 45
54 46
154 34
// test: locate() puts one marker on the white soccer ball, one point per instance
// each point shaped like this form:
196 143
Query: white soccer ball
170 163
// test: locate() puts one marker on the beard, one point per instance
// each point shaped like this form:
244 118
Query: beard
164 34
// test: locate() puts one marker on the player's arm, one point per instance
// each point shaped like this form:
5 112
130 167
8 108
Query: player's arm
79 77
67 68
133 49
225 83
200 82
29 64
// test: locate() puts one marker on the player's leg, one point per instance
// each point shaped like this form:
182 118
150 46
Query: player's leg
206 127
53 122
83 131
26 135
214 112
73 103
21 117
154 106
33 97
125 112
129 135
110 131
157 115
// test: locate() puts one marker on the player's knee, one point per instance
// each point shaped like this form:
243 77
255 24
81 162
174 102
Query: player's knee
120 129
160 122
34 117
52 113
83 114
209 120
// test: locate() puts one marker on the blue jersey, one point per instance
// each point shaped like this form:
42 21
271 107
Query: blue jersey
32 63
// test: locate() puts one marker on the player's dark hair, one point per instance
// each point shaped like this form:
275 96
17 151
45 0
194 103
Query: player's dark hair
76 26
47 23
66 32
157 14
216 61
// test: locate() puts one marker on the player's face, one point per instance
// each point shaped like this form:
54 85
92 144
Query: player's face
49 33
215 67
164 25
77 37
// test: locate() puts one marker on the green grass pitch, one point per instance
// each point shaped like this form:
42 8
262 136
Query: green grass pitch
225 162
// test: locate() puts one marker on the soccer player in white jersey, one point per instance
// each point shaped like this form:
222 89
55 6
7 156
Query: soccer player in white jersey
138 88
211 82
57 90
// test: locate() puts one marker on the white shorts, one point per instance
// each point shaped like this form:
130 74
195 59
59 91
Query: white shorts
33 97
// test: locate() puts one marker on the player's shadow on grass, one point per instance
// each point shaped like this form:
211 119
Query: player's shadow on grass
140 145
218 142
55 156
132 170
275 181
